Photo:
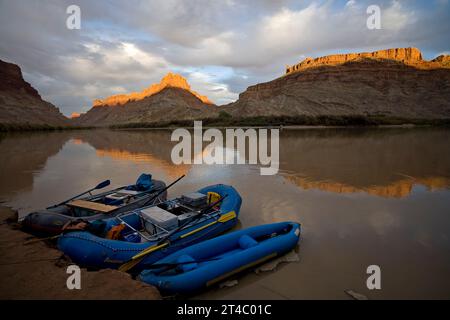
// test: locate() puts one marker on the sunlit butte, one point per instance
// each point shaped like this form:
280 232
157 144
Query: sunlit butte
170 80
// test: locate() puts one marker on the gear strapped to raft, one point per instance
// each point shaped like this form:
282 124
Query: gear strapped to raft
95 227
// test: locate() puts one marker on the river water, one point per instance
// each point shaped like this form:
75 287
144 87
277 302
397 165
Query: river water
363 196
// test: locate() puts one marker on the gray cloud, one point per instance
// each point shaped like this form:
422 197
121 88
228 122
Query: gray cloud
222 47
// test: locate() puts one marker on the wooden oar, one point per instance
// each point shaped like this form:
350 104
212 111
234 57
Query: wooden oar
101 185
163 243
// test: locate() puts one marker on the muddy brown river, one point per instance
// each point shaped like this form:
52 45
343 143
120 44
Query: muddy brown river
363 196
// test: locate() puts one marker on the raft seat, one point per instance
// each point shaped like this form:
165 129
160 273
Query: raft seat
92 205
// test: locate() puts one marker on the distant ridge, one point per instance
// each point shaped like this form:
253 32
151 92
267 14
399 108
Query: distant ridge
170 80
393 84
170 100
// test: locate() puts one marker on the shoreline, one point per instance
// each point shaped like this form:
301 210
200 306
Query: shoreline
225 122
38 271
205 127
289 127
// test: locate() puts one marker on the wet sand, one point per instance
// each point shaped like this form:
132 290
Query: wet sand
37 271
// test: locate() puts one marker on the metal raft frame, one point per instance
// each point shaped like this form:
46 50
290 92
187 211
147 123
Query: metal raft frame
163 232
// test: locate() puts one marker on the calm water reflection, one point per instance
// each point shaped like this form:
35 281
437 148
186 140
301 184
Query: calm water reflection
378 196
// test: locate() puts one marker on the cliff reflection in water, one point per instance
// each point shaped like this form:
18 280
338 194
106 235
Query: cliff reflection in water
381 162
152 147
23 154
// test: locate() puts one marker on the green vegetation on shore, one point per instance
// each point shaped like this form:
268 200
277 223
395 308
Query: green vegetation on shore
226 120
9 127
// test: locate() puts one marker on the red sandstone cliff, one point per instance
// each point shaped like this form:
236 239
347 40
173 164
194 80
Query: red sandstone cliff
407 56
171 99
389 83
394 83
21 104
169 81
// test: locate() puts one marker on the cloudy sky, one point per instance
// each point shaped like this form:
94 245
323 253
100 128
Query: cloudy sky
220 46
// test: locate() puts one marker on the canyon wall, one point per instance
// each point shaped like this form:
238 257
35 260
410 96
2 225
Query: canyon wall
168 81
21 104
395 83
170 100
407 56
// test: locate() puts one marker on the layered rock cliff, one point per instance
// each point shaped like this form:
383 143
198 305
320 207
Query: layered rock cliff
408 56
21 104
389 83
169 81
170 100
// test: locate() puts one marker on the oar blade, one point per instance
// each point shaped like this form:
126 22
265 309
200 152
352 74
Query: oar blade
129 265
138 257
103 184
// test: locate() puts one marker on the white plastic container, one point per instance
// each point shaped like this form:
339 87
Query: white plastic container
160 217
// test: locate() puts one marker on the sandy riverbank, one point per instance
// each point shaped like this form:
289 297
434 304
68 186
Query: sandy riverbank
37 271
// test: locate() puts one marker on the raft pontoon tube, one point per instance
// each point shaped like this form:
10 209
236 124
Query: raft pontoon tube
162 229
205 264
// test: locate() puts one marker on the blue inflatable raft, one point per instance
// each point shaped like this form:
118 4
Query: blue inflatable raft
207 263
151 233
